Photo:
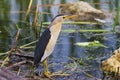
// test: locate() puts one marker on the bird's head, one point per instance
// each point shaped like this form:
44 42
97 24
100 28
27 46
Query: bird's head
61 17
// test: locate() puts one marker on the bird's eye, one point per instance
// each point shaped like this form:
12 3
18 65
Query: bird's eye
63 17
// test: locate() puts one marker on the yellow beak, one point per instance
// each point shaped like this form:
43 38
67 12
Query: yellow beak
70 16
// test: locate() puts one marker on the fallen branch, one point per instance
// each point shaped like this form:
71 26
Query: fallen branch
27 57
17 64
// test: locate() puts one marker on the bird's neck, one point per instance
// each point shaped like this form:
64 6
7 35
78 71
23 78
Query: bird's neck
55 29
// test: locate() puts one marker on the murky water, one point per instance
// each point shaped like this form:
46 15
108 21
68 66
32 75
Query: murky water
10 17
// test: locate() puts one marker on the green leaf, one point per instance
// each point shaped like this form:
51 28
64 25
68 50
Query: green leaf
47 23
70 30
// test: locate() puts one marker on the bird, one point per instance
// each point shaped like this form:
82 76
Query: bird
46 43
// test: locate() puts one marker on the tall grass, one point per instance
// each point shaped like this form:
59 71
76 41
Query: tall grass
116 21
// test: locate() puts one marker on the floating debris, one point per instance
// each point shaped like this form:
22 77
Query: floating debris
84 11
90 44
112 64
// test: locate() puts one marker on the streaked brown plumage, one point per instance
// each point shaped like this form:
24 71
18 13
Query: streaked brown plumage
47 41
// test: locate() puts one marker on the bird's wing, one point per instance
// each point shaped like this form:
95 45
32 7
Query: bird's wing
41 46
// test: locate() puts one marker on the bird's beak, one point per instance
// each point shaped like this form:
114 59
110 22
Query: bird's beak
70 16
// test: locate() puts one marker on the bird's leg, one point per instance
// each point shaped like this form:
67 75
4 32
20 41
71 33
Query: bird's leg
46 72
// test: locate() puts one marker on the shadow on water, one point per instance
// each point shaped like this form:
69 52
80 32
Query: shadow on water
65 47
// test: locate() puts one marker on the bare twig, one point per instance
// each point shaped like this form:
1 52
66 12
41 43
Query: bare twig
27 57
17 64
36 16
35 23
14 43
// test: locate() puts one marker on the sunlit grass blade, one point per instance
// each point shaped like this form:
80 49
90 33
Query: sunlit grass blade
4 61
71 31
4 53
28 44
47 23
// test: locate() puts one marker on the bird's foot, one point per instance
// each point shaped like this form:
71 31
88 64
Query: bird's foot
48 74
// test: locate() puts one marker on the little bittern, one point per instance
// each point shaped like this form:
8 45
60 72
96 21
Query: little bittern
47 41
